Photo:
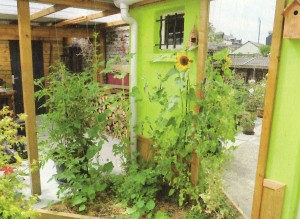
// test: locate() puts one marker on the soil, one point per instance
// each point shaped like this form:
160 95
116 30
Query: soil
105 206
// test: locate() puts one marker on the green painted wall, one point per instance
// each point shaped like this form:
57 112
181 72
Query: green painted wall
284 152
148 36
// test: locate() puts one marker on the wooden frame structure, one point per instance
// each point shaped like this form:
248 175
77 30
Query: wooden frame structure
26 33
269 109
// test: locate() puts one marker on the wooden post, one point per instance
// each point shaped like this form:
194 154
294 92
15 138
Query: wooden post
202 55
272 199
28 90
268 110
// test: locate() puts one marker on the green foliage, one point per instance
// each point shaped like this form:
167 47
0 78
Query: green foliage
178 132
265 50
259 91
138 190
247 120
13 204
76 130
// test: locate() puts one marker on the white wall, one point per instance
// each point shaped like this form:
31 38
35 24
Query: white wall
247 48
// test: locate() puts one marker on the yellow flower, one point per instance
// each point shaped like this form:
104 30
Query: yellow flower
183 61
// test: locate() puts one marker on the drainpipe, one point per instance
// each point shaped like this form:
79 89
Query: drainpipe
124 6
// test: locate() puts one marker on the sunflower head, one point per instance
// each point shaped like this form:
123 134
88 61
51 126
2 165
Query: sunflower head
183 61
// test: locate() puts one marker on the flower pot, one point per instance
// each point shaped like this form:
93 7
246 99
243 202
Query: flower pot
260 112
248 129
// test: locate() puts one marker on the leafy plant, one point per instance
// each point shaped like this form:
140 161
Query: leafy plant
76 131
13 204
178 132
137 189
259 92
265 50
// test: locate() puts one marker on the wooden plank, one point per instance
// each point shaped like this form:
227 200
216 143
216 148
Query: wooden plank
272 199
146 2
28 91
269 108
202 55
47 11
112 24
10 32
85 18
87 4
45 214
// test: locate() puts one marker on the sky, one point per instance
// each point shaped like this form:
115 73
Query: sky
241 18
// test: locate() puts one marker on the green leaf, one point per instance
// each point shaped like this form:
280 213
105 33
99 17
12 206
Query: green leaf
108 167
82 207
135 215
135 92
140 204
130 210
171 192
92 151
172 121
78 200
101 186
129 56
150 205
158 59
170 73
93 132
161 215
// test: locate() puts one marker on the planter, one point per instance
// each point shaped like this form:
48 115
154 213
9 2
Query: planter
260 112
248 129
116 81
46 214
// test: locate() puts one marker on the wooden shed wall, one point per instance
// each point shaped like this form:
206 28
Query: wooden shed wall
5 62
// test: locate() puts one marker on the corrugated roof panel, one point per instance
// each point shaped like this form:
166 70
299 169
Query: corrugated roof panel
111 18
70 13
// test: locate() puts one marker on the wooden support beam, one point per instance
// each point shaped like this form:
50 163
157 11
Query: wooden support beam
10 32
47 11
85 18
269 108
87 4
201 60
28 91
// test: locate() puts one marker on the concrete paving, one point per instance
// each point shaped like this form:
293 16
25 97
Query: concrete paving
239 178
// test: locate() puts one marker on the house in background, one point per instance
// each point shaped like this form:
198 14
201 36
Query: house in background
250 67
249 48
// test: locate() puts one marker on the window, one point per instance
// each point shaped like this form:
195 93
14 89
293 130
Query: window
171 31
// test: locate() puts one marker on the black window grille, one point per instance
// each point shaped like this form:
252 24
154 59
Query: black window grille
171 31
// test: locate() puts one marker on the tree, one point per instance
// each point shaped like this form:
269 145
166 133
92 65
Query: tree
265 50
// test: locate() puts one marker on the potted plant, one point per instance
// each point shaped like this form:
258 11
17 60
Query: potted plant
75 129
247 123
260 90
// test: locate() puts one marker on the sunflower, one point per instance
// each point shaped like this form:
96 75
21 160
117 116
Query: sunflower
183 61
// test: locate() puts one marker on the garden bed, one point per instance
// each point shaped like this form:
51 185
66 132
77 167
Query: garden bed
107 207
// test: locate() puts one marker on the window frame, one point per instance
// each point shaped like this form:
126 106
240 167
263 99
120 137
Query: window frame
162 31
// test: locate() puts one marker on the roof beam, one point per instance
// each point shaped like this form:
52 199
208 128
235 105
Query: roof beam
87 4
85 18
48 11
10 32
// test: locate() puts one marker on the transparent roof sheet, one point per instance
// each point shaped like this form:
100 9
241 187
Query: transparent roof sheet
9 7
